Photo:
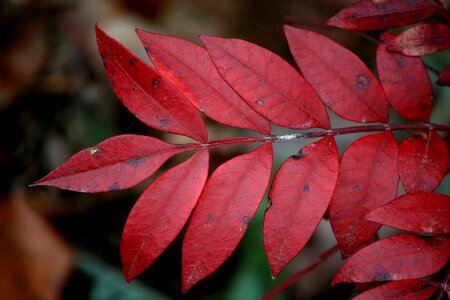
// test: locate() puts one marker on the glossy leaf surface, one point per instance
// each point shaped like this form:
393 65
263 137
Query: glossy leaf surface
341 79
444 77
300 194
148 95
403 256
418 212
422 161
368 178
117 163
422 39
227 205
267 83
400 290
191 70
410 96
375 15
160 213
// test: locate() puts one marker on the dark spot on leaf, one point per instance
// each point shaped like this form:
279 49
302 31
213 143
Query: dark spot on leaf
306 188
163 123
136 161
131 63
155 83
300 154
246 220
260 102
362 81
147 49
181 146
356 187
380 274
210 217
114 187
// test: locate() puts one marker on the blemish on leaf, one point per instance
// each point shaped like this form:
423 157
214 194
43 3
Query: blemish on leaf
356 187
155 83
306 188
381 274
260 103
210 217
136 161
114 187
163 123
132 62
94 150
300 154
147 49
362 81
246 220
269 204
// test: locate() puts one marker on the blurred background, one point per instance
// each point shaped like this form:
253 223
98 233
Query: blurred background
55 100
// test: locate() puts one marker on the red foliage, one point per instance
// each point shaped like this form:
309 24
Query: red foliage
237 83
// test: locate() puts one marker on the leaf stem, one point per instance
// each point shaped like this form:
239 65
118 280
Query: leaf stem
318 134
297 276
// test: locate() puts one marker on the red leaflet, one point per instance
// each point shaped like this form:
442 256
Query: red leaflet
117 163
160 214
227 205
444 77
267 83
368 178
342 80
376 15
300 194
148 95
419 212
405 82
400 290
422 39
191 70
422 162
403 256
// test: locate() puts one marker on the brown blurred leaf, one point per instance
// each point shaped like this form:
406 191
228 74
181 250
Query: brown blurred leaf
36 262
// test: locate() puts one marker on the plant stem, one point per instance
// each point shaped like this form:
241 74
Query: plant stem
297 276
318 134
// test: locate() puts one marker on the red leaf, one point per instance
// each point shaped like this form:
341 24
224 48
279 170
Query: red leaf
300 194
444 77
160 213
410 96
342 80
227 205
191 70
267 83
148 95
422 162
422 39
419 212
117 163
375 15
400 290
368 178
403 256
